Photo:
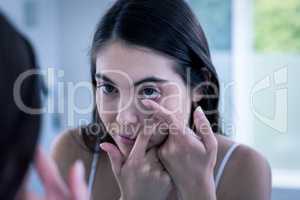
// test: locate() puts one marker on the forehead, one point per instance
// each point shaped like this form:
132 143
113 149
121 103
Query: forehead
120 62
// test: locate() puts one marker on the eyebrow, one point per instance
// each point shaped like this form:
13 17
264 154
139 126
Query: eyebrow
147 79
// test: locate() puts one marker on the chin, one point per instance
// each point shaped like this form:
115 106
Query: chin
126 146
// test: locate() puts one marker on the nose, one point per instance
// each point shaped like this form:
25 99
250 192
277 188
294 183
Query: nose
127 115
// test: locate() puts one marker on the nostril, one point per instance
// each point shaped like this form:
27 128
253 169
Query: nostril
126 118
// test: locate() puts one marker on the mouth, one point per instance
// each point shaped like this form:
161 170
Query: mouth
125 139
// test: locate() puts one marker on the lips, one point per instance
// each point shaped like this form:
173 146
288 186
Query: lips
127 136
126 139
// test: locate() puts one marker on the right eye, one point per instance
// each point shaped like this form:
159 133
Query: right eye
107 89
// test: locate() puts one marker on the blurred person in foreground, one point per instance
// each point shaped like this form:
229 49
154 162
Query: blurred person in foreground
20 129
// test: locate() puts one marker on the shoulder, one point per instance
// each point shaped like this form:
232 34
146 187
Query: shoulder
68 147
247 175
250 163
68 140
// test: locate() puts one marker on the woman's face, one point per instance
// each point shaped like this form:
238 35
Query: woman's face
127 74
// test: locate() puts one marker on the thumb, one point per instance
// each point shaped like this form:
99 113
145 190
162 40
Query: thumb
115 156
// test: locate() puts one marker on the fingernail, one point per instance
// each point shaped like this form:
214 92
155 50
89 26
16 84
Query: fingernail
102 146
199 112
105 148
79 170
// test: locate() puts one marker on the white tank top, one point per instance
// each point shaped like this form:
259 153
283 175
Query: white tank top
217 177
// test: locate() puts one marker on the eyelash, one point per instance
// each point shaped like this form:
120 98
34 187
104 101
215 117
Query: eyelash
140 95
153 89
103 86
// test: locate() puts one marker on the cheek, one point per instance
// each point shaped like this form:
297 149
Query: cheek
105 105
107 117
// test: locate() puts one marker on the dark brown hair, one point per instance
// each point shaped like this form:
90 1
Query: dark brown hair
19 130
168 27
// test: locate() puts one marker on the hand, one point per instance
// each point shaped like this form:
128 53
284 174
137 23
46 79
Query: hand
54 186
189 157
140 176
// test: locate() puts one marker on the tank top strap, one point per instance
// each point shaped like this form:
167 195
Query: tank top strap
224 162
92 174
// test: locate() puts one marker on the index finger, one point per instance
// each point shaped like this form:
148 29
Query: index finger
203 128
141 143
161 112
164 114
53 183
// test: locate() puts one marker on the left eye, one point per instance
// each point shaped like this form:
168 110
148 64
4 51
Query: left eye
150 93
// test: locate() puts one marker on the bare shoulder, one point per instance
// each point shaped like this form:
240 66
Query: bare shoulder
68 147
247 176
68 141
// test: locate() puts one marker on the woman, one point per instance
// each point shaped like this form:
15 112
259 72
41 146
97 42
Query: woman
156 117
20 129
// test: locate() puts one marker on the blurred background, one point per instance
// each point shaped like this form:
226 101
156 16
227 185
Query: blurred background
255 46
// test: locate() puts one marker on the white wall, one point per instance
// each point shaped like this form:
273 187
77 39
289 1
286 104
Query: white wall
248 68
61 36
44 34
